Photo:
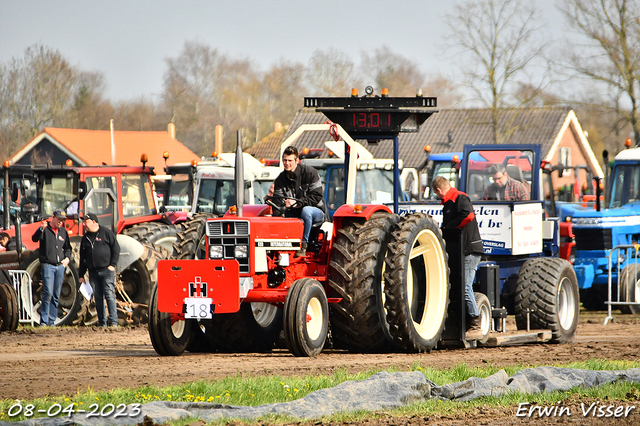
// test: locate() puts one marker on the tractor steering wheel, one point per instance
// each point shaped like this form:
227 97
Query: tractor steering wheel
269 200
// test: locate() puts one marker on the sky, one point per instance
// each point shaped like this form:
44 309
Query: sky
128 41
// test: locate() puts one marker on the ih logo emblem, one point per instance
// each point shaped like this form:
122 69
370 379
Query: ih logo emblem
197 288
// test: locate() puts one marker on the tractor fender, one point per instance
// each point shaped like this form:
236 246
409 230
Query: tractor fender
130 251
585 274
347 211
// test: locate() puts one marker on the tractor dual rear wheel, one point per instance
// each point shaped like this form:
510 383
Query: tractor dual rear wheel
547 289
306 317
358 322
9 308
416 283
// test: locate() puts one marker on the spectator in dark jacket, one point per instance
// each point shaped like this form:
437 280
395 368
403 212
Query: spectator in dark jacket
99 253
298 192
457 212
55 253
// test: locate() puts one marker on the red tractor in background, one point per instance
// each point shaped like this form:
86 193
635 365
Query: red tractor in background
383 280
122 198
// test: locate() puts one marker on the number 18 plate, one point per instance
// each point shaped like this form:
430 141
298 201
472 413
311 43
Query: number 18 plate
198 307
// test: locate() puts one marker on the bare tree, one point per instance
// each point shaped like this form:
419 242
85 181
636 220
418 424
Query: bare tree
331 73
284 88
392 71
41 89
611 53
497 46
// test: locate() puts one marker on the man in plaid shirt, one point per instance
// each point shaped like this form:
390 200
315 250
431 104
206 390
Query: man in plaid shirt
504 187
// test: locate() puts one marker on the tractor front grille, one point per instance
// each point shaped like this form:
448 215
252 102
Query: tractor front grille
590 238
230 234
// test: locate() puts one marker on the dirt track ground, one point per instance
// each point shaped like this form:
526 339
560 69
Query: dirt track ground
56 361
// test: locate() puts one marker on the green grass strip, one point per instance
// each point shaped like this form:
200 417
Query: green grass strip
247 390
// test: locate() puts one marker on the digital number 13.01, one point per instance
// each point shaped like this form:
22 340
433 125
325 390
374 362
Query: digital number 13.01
373 119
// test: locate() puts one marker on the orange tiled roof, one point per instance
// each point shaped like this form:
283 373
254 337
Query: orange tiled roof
94 146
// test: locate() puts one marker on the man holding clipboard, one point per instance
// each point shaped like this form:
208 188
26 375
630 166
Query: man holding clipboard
99 253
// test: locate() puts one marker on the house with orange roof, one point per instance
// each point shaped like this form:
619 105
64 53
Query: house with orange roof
95 147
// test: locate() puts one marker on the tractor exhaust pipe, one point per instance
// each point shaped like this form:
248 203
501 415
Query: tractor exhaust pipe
6 201
239 176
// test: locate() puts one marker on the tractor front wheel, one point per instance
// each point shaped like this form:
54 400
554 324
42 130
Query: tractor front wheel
416 283
169 337
306 317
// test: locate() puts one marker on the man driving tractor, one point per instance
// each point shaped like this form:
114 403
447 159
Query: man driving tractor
298 193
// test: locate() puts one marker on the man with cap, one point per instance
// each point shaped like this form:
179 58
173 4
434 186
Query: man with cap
55 253
99 253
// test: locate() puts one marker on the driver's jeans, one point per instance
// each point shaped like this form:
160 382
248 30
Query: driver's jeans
309 215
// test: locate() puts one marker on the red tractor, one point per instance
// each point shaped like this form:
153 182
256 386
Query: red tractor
376 279
121 197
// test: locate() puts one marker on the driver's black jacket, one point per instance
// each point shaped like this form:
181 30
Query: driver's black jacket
304 184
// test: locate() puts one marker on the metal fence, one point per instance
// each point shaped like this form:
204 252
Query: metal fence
626 287
22 284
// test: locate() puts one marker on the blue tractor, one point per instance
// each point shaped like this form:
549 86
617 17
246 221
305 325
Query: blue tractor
599 232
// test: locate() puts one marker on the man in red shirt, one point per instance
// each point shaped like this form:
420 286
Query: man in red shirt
457 212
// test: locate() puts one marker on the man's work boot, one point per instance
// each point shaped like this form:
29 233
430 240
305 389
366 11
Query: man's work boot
303 250
475 331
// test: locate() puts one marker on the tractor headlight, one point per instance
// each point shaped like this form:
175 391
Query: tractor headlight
241 251
216 252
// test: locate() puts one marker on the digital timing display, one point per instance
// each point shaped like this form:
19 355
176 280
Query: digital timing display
375 115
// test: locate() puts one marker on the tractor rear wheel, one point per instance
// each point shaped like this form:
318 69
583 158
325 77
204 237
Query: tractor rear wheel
190 239
71 304
137 281
416 283
306 317
484 308
154 233
9 308
547 288
169 337
630 288
358 322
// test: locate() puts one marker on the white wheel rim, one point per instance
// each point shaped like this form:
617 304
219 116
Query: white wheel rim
264 313
314 318
177 328
485 319
636 292
566 304
427 245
